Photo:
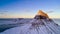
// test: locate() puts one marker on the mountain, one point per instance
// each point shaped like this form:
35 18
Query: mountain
41 24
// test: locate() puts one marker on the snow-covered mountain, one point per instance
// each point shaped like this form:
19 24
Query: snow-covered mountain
46 28
41 24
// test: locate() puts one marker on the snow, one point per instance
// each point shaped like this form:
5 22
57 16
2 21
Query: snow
16 30
47 28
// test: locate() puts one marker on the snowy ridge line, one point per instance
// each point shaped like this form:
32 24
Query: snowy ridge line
47 27
52 27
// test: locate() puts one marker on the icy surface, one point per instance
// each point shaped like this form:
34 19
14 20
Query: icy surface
46 28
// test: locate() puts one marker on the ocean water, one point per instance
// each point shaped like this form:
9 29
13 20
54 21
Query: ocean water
10 23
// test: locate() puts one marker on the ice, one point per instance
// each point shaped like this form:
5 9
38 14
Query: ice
47 28
16 30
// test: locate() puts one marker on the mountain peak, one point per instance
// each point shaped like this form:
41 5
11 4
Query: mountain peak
40 12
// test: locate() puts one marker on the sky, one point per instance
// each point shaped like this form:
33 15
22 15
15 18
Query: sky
29 8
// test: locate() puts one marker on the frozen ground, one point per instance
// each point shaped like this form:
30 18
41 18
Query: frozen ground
10 23
15 27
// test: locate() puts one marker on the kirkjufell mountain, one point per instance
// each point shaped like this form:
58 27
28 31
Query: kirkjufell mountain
41 24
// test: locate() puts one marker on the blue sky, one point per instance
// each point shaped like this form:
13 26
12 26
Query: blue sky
28 8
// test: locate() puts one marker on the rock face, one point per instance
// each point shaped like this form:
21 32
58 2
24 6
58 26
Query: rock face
40 12
41 24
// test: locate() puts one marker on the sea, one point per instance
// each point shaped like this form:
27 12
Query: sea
7 23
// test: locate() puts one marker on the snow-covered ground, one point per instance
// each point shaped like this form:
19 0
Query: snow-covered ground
50 28
11 23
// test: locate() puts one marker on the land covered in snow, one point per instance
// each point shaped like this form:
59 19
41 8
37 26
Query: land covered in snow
26 28
40 24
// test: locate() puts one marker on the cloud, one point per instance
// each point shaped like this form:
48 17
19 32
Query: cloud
3 13
49 11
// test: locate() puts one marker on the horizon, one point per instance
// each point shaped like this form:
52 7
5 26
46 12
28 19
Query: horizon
28 8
